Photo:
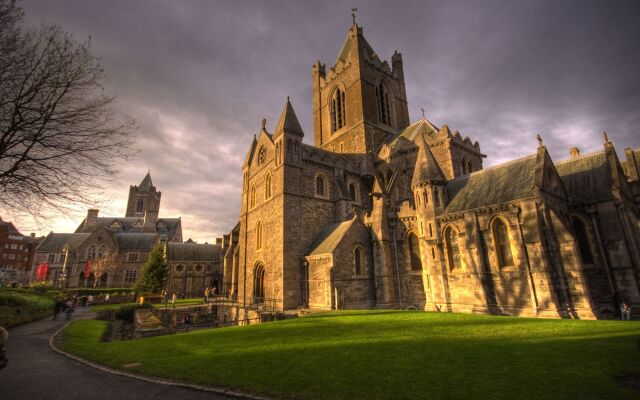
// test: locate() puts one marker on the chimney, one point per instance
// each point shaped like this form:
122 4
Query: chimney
150 219
92 218
218 240
574 152
33 234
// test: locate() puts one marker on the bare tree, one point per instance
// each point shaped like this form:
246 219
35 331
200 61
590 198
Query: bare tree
60 140
105 264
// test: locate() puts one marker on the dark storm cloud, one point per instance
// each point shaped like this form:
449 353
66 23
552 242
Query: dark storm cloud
199 75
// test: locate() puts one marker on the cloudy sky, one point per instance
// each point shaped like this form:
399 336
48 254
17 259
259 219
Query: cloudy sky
198 76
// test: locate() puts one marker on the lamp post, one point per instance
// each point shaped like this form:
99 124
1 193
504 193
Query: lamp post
63 275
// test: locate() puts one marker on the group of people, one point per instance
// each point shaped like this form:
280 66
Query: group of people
210 293
68 306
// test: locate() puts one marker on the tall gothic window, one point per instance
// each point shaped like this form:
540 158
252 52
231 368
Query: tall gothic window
262 156
436 197
501 241
338 116
425 197
358 259
131 275
258 284
91 253
583 241
321 189
139 205
267 186
453 251
382 95
259 235
352 192
414 252
252 196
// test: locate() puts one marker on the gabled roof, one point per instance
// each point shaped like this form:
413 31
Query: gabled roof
193 252
502 183
422 127
127 224
288 121
329 238
249 155
56 242
11 229
587 178
426 169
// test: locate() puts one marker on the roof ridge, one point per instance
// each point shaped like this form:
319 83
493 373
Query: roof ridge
504 164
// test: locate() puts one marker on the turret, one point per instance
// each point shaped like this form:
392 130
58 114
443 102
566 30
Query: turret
288 136
429 188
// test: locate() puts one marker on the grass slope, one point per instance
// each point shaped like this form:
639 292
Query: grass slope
18 307
383 355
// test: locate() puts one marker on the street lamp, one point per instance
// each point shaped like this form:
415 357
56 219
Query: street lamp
63 275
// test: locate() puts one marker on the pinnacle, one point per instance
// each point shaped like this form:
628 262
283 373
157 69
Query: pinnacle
426 169
288 121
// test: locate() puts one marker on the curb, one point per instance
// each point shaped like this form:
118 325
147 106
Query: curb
166 382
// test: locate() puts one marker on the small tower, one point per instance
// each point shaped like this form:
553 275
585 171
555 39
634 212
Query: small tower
143 198
429 188
288 136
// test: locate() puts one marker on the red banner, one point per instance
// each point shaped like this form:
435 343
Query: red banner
39 272
45 271
87 269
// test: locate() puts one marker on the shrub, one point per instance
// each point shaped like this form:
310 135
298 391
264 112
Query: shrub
19 306
127 312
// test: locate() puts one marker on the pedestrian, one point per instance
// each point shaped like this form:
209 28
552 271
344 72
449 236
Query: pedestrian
69 309
135 296
186 321
106 298
83 301
57 308
206 295
625 310
4 337
165 298
89 300
173 300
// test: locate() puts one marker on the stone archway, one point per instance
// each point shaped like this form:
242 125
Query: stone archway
259 281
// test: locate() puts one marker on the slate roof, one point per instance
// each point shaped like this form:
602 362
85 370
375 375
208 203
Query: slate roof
57 241
128 223
411 132
587 178
136 241
501 183
193 252
329 238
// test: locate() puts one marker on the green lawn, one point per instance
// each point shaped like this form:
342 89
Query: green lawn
179 303
20 306
385 355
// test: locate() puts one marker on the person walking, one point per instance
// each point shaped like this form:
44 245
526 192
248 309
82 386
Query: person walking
57 308
625 309
206 295
4 337
89 300
106 298
173 300
69 309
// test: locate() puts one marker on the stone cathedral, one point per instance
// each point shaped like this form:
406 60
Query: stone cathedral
384 213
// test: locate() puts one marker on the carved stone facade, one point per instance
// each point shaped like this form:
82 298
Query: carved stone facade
381 213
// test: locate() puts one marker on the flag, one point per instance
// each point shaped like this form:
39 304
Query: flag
39 272
45 271
87 269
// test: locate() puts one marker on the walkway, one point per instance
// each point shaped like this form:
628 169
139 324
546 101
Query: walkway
35 372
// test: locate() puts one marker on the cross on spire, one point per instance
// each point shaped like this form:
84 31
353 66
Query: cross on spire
422 109
353 14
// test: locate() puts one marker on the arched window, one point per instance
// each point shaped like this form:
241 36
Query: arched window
382 95
179 268
91 253
262 155
139 205
353 192
358 260
131 275
258 284
252 196
267 186
501 242
414 252
259 235
338 116
418 199
583 240
436 197
425 198
321 186
453 252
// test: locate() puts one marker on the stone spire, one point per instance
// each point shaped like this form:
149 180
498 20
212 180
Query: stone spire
426 169
146 181
288 122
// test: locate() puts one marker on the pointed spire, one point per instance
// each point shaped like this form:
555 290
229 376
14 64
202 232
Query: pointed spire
426 169
288 121
146 181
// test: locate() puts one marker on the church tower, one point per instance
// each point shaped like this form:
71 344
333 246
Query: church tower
359 102
142 198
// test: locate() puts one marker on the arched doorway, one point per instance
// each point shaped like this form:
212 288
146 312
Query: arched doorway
258 284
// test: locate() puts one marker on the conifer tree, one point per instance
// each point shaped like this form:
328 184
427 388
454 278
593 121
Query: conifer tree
155 271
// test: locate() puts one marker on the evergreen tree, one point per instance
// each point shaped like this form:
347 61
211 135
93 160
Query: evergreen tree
155 271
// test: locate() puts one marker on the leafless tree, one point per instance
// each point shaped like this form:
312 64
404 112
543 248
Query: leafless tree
60 140
105 264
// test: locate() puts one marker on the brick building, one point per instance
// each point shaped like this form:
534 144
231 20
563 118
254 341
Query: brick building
16 253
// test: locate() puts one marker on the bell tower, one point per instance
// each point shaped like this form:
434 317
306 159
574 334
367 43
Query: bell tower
359 102
142 198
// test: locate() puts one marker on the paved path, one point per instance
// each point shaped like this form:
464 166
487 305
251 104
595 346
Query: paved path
35 372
